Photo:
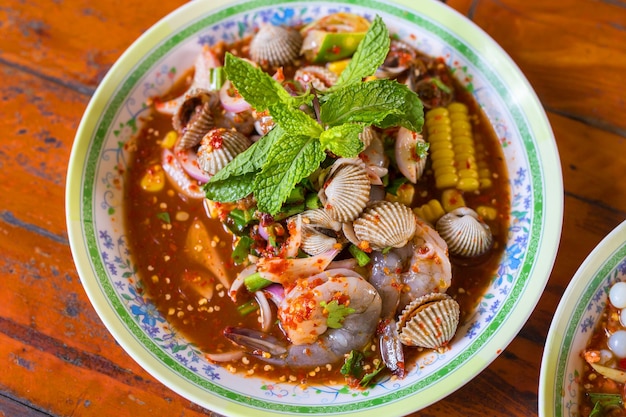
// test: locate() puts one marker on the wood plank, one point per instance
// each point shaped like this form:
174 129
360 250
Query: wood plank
41 118
74 42
64 388
573 53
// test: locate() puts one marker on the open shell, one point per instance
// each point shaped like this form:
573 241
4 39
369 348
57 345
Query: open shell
220 146
429 321
275 45
320 78
319 232
384 224
346 192
465 232
194 118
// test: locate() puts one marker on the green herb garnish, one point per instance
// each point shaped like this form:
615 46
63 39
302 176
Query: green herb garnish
361 257
256 282
336 313
247 308
297 146
164 217
353 367
242 250
604 402
421 149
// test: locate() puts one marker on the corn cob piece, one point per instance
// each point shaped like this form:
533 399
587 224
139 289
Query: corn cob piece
464 148
439 131
431 211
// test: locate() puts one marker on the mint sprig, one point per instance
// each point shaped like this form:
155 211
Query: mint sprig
296 147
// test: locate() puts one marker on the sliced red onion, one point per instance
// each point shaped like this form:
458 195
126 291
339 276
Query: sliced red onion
225 356
239 281
236 103
265 310
188 159
275 292
285 271
179 178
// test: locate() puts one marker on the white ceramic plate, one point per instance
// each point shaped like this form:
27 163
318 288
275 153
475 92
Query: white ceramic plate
151 64
576 316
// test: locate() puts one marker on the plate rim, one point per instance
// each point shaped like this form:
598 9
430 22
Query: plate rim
552 205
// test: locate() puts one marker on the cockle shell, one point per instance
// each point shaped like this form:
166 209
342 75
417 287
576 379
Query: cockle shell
318 231
347 189
220 146
194 118
320 78
384 224
429 321
465 232
275 45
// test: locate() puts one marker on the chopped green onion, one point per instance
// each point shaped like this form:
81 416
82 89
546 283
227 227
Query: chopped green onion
296 196
242 250
256 282
216 78
288 211
440 85
164 217
603 402
361 257
239 220
312 201
395 184
247 308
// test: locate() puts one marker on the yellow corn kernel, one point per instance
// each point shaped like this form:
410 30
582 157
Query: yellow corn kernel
338 66
442 162
437 146
485 183
452 199
436 113
487 212
457 107
446 181
468 173
169 140
431 211
468 184
153 180
404 195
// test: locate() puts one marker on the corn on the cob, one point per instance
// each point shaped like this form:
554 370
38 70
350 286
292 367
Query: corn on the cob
463 146
438 129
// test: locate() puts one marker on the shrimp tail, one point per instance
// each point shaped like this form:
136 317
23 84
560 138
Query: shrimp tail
256 342
391 348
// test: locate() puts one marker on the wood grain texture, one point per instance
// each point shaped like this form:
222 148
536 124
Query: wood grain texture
56 356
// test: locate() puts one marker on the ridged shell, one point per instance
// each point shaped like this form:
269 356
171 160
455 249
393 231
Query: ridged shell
465 233
346 191
429 321
385 224
220 146
321 78
368 135
194 118
275 45
318 232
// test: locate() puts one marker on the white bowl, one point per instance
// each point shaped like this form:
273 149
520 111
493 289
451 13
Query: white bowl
576 316
97 236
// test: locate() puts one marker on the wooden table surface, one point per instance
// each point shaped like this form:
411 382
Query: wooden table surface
57 358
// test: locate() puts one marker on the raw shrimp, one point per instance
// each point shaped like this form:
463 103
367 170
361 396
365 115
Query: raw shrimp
419 268
400 276
304 320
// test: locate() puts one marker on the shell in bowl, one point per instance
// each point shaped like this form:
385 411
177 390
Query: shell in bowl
95 195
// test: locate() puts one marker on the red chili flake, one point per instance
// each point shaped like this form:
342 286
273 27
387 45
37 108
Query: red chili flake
215 138
622 363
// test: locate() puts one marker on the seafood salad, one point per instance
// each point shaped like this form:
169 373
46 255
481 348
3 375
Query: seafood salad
322 202
604 376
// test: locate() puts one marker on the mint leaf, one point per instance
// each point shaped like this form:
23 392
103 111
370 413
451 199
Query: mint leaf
230 189
294 121
369 55
343 140
255 86
377 102
289 160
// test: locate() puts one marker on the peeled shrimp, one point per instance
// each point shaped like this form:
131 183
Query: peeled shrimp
302 317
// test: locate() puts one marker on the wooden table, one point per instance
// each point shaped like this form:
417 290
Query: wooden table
57 358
